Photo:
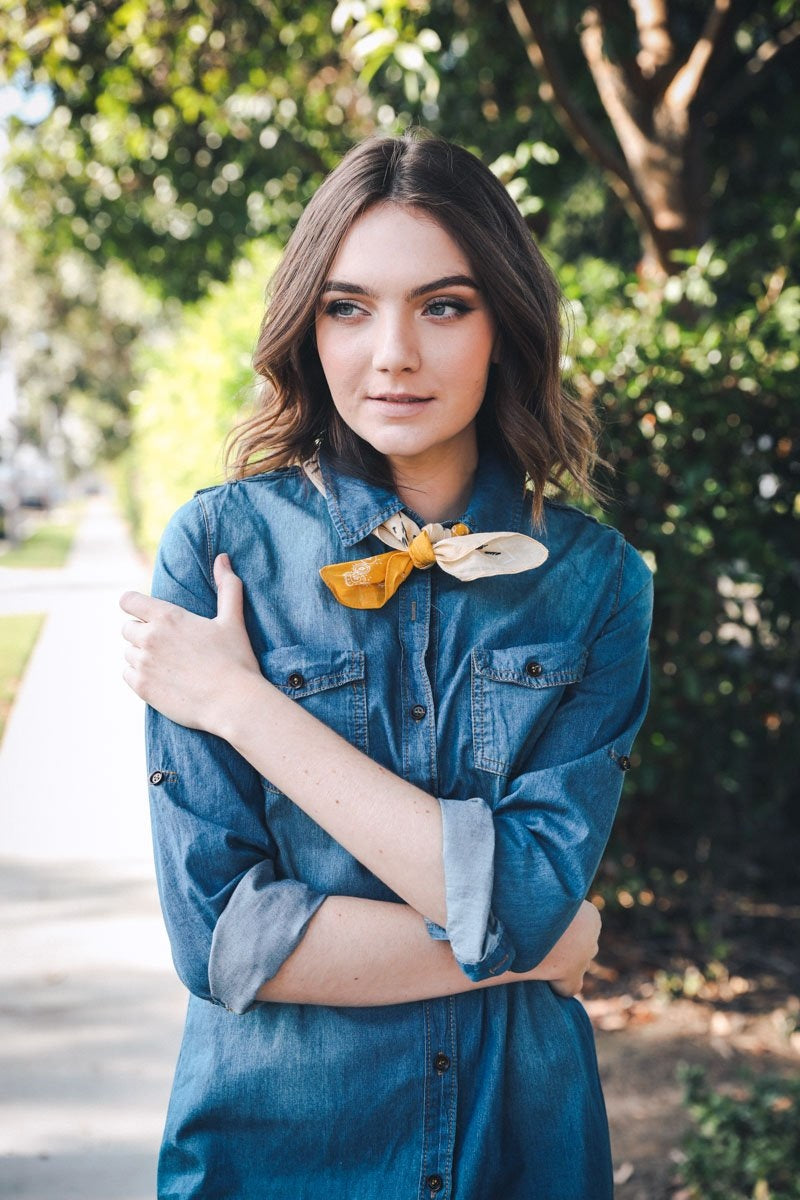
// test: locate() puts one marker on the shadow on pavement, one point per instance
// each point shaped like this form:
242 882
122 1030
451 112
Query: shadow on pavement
90 1021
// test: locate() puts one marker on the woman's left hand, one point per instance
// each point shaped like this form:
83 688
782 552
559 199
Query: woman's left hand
190 668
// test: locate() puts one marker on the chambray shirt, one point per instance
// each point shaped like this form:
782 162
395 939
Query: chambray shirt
515 701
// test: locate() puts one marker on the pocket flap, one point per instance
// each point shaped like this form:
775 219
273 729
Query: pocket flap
300 671
541 665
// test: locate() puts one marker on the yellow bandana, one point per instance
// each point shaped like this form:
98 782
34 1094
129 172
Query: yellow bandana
370 582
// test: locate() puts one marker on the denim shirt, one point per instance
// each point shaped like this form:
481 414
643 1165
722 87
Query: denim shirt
512 699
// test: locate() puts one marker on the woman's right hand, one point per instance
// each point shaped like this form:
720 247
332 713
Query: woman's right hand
568 961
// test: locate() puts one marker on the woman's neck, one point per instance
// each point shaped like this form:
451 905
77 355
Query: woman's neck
438 491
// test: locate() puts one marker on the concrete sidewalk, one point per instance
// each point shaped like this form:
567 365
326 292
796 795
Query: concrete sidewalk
90 1008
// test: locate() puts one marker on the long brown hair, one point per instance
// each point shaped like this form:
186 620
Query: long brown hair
543 430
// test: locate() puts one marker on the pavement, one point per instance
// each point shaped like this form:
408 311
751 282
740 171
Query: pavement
90 1008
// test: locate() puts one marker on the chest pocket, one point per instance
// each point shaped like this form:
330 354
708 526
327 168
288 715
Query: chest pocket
514 693
329 683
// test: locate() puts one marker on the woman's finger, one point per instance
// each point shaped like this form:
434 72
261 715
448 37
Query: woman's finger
133 655
132 632
229 590
146 608
132 679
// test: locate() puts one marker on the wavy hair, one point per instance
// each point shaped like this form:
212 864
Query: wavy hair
542 429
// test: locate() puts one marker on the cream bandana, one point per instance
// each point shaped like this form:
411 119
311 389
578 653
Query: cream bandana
370 582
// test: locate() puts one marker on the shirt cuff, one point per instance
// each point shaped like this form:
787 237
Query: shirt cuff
477 939
261 925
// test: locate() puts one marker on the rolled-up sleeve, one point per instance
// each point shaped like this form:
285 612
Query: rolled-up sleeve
517 872
231 920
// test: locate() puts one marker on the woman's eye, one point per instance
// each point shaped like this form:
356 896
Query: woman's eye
342 308
447 308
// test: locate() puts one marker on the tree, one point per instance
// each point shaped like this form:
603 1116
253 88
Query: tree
179 131
69 330
666 77
661 101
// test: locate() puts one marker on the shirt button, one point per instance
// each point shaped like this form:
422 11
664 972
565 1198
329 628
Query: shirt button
533 668
435 1183
441 1062
295 680
157 777
624 763
419 712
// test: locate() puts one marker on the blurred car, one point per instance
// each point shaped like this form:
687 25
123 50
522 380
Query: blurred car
37 480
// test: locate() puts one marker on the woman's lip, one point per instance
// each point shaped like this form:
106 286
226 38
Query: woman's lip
401 398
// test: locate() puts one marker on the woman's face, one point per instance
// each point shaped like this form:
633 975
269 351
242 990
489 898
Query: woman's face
405 339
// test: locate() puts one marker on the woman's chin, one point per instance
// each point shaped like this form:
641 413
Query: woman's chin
391 444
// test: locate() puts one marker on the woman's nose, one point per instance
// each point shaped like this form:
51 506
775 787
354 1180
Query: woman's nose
395 348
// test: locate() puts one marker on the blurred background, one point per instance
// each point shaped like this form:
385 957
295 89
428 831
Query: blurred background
154 158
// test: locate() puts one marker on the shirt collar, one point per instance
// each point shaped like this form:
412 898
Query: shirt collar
357 507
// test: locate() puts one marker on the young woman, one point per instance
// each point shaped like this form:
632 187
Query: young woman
393 689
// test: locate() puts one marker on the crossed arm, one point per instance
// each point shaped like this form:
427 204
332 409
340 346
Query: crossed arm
201 673
364 952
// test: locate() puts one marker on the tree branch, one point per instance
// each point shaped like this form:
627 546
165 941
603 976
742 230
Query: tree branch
686 83
752 74
616 13
657 47
559 93
609 80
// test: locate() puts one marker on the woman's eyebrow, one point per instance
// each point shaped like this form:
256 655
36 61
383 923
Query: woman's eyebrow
436 285
446 281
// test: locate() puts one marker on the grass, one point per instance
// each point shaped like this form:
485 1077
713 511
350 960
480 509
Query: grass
47 547
18 636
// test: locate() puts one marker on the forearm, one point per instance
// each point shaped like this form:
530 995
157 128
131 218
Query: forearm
358 953
392 827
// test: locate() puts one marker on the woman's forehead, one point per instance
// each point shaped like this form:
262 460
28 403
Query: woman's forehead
397 241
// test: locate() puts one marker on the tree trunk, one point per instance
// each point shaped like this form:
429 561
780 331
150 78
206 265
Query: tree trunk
656 166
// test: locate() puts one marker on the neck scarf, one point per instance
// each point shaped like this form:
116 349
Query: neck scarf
370 582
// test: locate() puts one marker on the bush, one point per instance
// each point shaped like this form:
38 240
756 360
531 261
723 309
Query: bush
195 380
744 1146
698 384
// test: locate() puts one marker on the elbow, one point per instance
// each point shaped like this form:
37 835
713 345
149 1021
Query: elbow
533 934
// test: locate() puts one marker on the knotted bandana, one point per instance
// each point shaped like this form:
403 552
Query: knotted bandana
370 582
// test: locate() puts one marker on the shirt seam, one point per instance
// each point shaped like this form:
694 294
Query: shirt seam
618 593
209 540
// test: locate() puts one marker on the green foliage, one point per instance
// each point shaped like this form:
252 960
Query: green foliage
384 31
699 390
196 379
179 130
69 328
743 1146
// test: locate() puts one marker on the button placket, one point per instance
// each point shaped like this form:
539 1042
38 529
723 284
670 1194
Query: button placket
440 1098
418 728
